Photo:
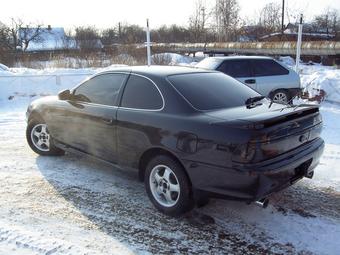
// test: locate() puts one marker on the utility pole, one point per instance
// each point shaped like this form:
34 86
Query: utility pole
203 24
148 48
298 45
119 32
283 17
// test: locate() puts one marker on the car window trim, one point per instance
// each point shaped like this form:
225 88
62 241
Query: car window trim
141 109
95 104
117 102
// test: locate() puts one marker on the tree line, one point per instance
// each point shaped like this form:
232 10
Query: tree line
220 22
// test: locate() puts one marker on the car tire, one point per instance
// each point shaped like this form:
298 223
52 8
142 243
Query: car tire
281 96
39 139
168 186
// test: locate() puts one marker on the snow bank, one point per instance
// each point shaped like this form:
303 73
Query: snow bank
288 61
328 80
47 71
30 84
22 85
171 59
315 76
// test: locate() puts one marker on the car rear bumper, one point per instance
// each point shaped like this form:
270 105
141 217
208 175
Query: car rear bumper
250 182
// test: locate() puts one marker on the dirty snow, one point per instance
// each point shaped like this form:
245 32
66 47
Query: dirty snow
315 76
75 205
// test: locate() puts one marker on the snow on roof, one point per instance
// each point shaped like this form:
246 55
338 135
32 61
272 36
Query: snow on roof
289 32
49 39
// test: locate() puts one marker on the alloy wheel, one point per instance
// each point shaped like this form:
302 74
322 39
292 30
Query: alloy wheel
164 185
280 97
40 137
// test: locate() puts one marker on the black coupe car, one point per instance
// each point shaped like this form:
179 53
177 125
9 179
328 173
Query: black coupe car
190 133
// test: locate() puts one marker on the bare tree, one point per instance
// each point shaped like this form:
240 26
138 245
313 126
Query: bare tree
3 43
327 22
30 34
3 36
131 33
12 33
293 12
270 17
109 36
227 18
19 34
87 38
68 41
197 22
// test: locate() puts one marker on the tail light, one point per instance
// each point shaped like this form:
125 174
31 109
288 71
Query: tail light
244 153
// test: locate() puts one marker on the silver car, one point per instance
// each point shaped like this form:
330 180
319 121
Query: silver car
263 74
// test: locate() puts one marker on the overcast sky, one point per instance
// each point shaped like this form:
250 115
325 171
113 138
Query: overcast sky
107 13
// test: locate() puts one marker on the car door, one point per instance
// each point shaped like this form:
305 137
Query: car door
92 115
269 75
137 118
239 69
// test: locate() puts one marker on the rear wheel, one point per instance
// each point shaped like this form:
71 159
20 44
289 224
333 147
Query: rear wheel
281 96
40 140
168 186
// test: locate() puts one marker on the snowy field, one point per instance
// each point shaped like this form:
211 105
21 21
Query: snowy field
75 205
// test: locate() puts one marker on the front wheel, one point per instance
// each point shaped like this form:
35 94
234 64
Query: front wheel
168 186
39 139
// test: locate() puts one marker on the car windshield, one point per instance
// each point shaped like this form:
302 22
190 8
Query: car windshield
211 91
208 63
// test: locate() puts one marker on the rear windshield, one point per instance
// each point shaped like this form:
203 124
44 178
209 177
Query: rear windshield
210 91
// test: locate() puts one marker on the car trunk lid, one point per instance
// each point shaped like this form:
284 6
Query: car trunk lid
274 130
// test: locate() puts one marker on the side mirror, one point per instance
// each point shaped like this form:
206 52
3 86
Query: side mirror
65 94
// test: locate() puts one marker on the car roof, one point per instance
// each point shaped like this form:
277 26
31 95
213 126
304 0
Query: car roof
156 70
241 57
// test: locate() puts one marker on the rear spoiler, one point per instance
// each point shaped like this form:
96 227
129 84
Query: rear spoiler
312 109
291 114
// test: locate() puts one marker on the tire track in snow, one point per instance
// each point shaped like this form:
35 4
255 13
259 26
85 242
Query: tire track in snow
27 241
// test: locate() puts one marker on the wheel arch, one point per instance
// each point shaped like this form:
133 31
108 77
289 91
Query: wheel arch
35 115
151 153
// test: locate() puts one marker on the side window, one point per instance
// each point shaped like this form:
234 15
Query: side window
267 67
102 89
140 93
235 68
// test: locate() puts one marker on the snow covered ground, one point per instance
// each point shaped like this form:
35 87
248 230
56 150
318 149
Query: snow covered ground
75 205
315 76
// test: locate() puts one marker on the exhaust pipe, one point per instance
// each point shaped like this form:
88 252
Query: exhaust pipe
262 202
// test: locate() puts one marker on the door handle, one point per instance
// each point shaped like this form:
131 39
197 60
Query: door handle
108 121
250 81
